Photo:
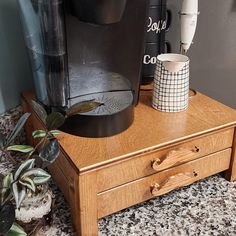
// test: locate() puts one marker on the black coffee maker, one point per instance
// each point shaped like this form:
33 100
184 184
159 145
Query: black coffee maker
87 50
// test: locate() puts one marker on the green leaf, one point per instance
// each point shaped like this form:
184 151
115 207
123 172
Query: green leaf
83 107
40 111
20 124
26 165
38 176
41 180
50 152
19 193
7 180
6 187
7 217
16 230
2 140
28 182
52 133
20 148
54 120
55 132
7 196
39 134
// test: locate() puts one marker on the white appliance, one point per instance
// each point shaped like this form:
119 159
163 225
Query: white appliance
188 23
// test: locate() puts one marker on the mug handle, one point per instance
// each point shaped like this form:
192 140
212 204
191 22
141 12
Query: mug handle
168 19
167 47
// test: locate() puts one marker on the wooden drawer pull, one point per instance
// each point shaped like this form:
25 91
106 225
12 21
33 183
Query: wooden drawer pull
177 181
175 156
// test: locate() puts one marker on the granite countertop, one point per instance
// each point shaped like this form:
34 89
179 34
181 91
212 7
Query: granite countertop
207 207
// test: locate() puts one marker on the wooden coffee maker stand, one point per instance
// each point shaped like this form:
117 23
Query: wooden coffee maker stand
157 154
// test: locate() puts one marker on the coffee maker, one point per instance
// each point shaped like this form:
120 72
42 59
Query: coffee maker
87 50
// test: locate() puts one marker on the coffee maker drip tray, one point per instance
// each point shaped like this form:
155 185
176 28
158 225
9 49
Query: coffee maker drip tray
112 116
111 102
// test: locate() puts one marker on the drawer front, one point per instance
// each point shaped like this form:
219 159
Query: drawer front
64 174
66 167
165 181
155 161
61 181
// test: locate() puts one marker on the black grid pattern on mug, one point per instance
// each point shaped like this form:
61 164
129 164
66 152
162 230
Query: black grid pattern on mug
170 92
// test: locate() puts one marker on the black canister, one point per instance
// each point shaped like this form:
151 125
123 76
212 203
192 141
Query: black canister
158 22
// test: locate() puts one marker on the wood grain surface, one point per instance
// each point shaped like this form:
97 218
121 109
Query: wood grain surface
158 153
139 166
140 190
151 130
231 173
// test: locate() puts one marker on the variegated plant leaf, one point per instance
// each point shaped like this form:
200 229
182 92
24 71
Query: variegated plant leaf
26 165
20 148
38 176
20 124
6 187
83 107
52 133
54 120
50 152
40 111
28 183
7 217
55 132
16 230
19 193
39 134
38 180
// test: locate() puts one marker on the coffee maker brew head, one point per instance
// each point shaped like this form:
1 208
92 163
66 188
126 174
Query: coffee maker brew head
98 11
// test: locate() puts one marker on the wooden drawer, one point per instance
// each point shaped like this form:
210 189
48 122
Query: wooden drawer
61 181
160 183
66 166
64 174
151 162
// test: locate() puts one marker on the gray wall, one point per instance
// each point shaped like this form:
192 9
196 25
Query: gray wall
15 74
213 54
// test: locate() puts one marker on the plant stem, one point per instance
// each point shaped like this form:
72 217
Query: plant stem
42 141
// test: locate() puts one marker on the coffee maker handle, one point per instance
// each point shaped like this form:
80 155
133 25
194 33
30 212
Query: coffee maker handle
168 19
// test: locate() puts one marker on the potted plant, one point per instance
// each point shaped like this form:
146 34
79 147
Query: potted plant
24 193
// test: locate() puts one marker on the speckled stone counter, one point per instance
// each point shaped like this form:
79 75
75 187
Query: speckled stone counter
207 207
